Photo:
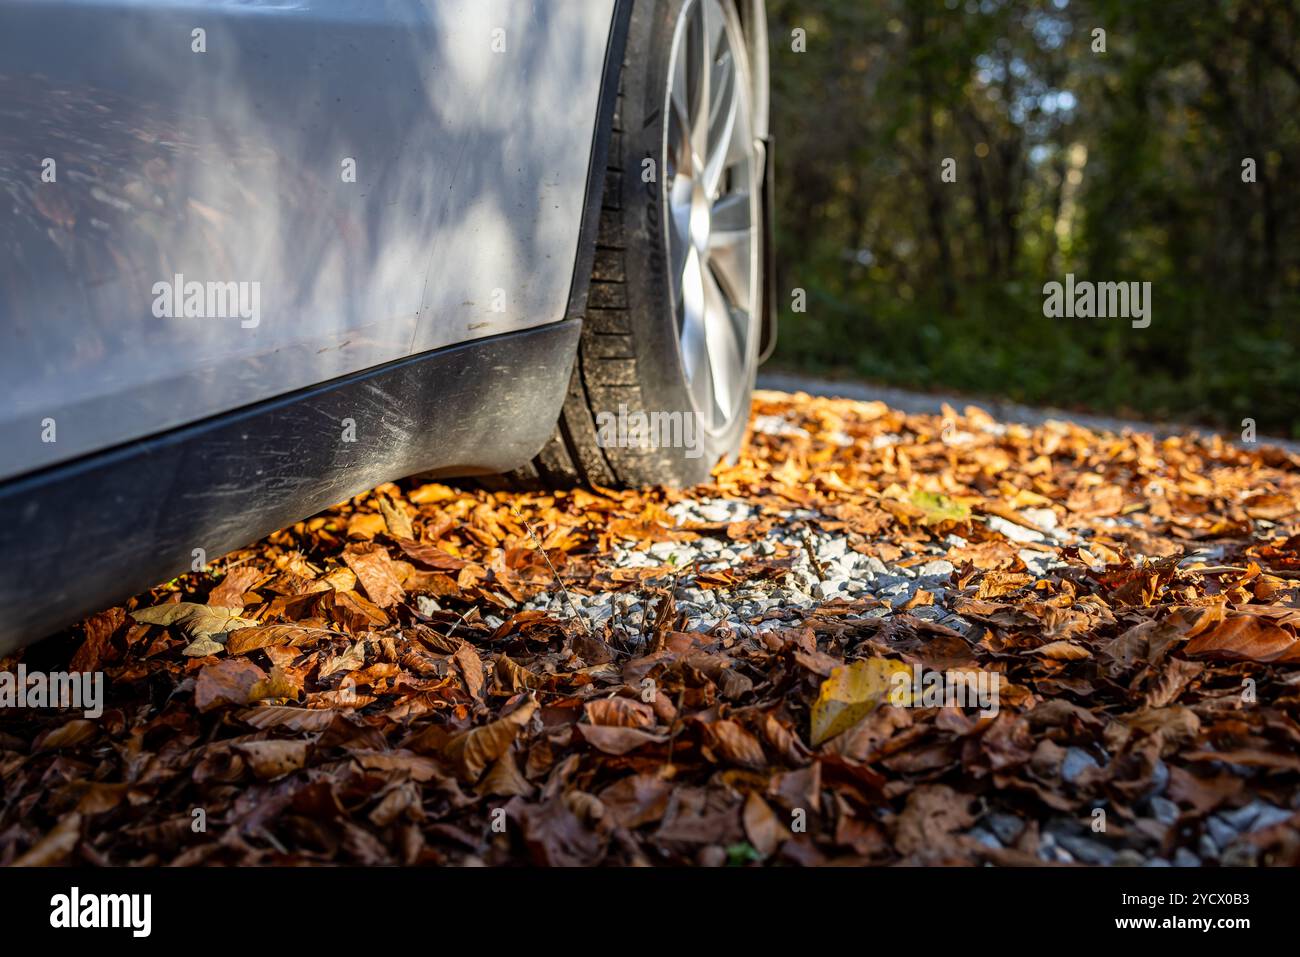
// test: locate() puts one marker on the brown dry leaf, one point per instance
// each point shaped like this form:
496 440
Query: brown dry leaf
401 802
637 799
1062 651
337 579
737 745
471 668
54 847
620 712
97 644
351 660
289 718
473 750
1203 792
920 598
230 593
273 759
244 640
511 678
996 584
231 682
1173 724
618 740
1246 637
431 556
99 797
67 735
402 762
934 813
1172 681
557 837
376 572
862 741
1248 757
504 780
764 830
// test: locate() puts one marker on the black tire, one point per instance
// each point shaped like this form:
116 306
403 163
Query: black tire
629 358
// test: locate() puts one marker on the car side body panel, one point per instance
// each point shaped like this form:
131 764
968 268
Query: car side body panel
467 123
77 537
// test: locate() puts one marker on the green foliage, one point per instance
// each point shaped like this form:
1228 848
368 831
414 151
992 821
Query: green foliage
1116 166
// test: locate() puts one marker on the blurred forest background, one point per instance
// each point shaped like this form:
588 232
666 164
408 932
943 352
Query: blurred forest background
1116 166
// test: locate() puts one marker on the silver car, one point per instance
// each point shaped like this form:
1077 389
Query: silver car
262 255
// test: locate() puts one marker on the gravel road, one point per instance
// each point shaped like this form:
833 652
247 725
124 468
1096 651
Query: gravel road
924 403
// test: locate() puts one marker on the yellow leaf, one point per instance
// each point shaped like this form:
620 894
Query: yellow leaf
939 508
395 518
853 691
274 685
197 621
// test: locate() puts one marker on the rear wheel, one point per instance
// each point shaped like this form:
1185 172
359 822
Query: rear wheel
660 390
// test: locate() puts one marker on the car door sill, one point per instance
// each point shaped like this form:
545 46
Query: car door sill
79 536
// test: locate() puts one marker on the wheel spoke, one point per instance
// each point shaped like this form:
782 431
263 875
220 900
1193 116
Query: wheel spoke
678 152
725 359
679 254
701 386
694 343
713 26
731 213
723 128
679 114
740 145
679 206
680 98
701 56
729 254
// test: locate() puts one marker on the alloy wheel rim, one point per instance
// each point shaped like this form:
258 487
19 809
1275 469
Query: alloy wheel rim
711 209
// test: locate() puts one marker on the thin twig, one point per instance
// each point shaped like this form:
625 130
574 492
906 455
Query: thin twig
558 580
666 607
1236 570
818 567
457 623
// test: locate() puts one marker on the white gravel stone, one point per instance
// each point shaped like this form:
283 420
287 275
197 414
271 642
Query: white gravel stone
832 549
876 566
1044 518
941 568
1016 533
